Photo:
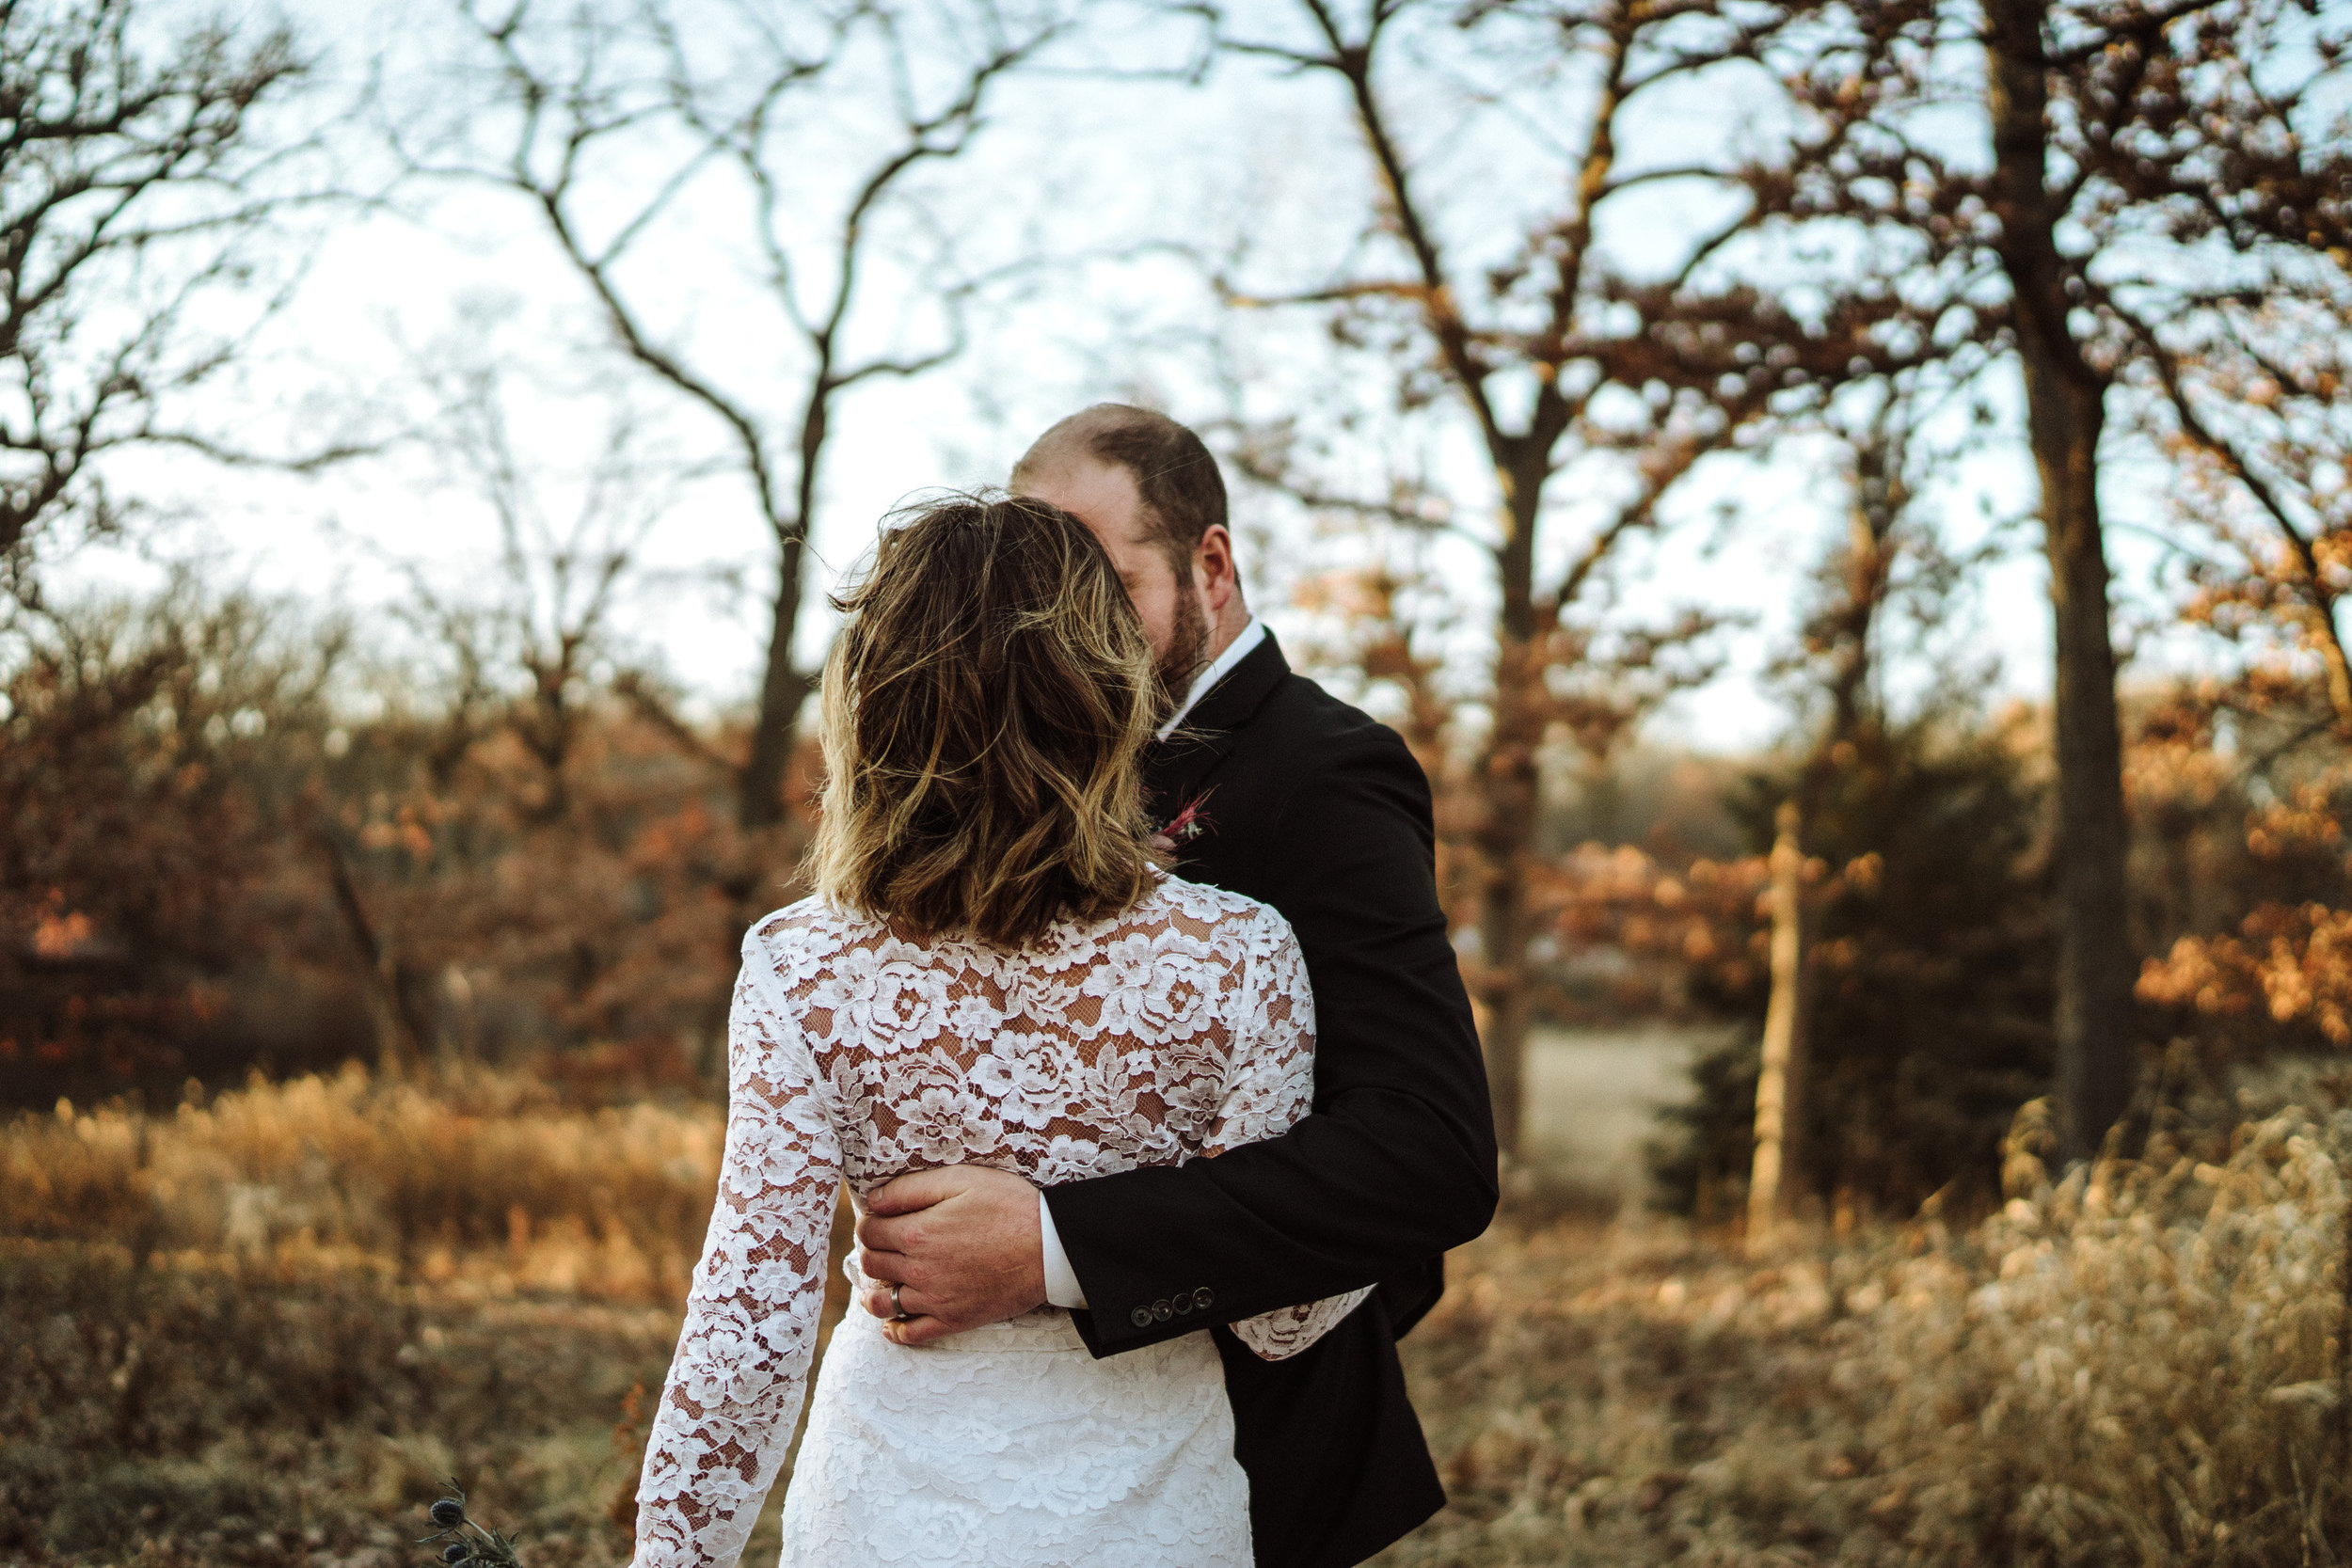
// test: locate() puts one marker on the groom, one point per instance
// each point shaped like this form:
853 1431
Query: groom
1270 788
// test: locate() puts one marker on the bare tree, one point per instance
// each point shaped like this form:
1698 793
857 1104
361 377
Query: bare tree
2259 412
132 182
525 652
2149 161
526 647
608 126
2256 405
1563 364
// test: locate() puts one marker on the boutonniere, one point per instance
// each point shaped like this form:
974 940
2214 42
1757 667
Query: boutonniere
1182 827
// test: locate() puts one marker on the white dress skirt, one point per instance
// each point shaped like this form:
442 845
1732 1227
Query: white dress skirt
1011 1447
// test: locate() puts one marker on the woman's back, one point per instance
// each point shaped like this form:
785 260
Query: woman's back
1105 1046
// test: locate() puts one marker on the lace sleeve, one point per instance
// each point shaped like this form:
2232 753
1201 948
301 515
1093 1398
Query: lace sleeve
735 1383
1272 1086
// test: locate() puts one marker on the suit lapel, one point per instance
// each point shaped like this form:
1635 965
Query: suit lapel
1178 770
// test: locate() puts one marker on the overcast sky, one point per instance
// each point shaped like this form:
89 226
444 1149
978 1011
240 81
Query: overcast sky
1083 174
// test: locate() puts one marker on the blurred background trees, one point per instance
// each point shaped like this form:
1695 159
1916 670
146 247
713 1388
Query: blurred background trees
1614 358
1568 370
138 183
607 126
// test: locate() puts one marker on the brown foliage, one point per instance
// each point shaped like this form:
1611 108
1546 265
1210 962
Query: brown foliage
476 1177
145 783
2289 959
225 850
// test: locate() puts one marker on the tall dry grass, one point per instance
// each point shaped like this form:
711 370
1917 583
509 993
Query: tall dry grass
2141 1364
260 1331
284 1416
470 1176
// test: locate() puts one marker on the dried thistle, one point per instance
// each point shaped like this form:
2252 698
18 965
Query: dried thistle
466 1542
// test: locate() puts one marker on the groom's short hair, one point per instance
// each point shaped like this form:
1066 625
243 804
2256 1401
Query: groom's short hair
1176 476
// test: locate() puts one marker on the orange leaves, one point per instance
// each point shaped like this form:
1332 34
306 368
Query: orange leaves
2293 962
1354 593
1663 923
59 936
404 832
2304 825
2289 962
2208 974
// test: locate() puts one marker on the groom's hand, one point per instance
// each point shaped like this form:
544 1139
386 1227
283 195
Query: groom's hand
963 1246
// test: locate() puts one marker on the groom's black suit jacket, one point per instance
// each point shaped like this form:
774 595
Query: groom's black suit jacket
1313 807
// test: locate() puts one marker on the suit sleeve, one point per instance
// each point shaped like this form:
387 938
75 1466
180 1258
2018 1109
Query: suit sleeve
1396 1164
1275 1089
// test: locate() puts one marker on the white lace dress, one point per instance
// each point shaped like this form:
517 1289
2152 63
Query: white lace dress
1180 1029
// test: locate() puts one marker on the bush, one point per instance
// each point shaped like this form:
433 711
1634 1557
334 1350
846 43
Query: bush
151 759
233 847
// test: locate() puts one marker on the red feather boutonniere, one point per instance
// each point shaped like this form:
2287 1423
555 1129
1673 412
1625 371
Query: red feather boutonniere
1182 827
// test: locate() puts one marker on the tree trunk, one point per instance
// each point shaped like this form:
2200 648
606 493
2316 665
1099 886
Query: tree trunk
782 689
2065 412
1508 785
399 1033
1772 1182
1504 931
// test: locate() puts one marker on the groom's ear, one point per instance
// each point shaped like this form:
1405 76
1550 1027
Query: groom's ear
1216 572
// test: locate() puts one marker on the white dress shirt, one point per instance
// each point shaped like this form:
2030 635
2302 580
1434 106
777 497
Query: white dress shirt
1243 642
1061 1280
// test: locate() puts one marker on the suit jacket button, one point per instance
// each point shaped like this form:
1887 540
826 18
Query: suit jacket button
1182 1304
1204 1298
1161 1311
1141 1317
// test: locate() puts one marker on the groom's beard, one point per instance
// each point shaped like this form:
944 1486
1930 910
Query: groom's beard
1187 654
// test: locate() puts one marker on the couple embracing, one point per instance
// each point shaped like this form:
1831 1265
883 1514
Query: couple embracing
1125 1007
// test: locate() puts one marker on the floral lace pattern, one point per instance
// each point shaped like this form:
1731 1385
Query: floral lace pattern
1180 1029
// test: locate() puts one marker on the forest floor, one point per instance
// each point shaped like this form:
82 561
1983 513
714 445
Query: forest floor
262 1330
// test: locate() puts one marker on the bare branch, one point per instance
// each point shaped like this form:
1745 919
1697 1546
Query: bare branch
118 174
564 123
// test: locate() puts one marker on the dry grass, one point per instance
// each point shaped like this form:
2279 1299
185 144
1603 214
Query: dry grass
260 1332
474 1178
279 1416
2140 1366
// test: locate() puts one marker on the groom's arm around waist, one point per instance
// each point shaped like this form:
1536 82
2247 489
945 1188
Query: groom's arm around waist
1397 1163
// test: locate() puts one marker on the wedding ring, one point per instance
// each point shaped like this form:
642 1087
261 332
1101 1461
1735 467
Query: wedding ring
900 1313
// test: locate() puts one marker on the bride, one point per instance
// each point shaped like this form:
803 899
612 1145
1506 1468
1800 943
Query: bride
991 972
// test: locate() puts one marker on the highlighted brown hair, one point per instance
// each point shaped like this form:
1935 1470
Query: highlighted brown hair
986 708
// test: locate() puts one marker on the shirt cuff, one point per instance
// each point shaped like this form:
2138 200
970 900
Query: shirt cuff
1061 1280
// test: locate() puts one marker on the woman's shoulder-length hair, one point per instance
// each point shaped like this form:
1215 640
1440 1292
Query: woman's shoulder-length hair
986 706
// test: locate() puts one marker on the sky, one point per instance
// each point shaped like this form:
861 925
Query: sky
1085 183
